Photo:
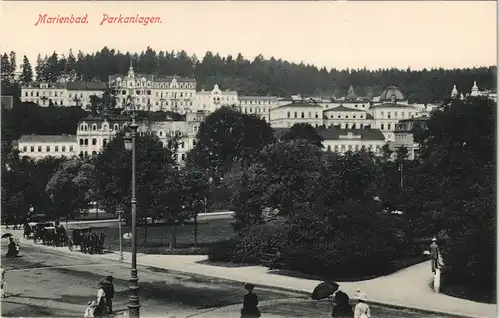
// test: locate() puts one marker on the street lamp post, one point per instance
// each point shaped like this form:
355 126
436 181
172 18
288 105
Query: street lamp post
133 301
120 233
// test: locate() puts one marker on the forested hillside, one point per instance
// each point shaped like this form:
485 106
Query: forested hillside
258 76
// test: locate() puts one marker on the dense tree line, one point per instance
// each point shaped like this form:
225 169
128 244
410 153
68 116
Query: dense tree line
258 76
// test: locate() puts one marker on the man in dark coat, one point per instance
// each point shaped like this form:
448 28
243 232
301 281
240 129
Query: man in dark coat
434 254
12 248
109 291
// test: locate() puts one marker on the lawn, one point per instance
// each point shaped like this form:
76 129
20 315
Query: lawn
159 236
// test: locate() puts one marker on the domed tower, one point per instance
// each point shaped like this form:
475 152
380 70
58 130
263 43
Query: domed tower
392 95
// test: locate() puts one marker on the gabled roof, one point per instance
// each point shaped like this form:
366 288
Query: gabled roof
47 138
343 109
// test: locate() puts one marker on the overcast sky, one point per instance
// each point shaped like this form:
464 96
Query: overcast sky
332 34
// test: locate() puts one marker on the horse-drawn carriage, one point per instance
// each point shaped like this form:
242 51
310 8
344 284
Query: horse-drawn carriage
91 243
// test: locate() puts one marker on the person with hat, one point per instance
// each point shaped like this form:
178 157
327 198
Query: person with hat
362 310
250 302
434 254
342 307
101 309
109 292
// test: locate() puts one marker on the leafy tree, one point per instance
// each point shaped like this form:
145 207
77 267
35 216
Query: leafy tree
386 152
304 131
27 73
226 136
195 186
113 168
68 189
457 163
401 154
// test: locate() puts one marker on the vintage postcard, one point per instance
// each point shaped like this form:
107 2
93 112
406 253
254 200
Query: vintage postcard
248 158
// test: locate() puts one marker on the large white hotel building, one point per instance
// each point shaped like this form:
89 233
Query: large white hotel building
347 123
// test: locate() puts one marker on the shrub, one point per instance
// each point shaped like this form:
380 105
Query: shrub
223 251
260 239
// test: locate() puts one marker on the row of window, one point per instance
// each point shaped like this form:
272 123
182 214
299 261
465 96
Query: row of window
47 148
56 94
85 142
302 115
85 127
361 116
343 148
257 110
381 114
143 83
257 102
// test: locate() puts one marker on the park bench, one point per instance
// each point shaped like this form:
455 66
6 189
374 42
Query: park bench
272 260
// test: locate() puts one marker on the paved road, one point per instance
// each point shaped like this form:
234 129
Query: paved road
53 283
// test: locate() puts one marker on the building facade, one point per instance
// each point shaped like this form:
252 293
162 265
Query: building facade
259 106
154 92
404 136
62 94
209 101
42 146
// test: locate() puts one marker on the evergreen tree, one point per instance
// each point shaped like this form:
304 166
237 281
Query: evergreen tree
40 65
6 68
13 66
27 71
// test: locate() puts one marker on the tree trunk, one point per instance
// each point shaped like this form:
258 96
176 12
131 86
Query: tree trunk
145 231
195 229
96 210
174 236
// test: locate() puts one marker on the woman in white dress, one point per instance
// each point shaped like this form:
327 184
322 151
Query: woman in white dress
362 310
101 309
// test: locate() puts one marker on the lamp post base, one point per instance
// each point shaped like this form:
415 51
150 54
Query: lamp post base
133 310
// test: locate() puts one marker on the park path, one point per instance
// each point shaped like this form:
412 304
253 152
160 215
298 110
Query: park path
408 288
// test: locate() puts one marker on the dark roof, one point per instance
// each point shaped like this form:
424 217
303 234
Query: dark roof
337 133
110 118
301 105
356 101
391 105
49 85
256 97
343 109
47 138
86 86
154 78
421 118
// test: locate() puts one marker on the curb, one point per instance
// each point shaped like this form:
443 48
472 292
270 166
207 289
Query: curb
308 294
263 286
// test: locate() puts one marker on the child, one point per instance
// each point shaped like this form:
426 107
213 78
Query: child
89 312
250 302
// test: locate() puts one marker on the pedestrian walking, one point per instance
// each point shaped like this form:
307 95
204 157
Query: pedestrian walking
250 302
342 307
109 291
2 285
102 308
434 255
362 310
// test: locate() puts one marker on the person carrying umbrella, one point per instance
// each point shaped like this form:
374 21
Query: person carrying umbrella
12 249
